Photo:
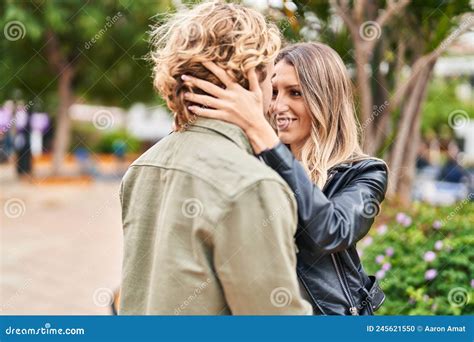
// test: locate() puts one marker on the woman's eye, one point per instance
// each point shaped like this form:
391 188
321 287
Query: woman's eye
295 93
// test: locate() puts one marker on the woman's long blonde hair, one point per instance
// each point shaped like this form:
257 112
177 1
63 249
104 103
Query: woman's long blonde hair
234 37
327 92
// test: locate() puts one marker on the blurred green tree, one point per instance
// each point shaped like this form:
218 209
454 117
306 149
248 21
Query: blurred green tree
441 101
392 47
66 51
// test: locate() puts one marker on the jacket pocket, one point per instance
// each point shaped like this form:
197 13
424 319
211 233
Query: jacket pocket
373 295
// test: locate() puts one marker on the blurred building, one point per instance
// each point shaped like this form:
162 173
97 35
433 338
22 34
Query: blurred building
147 124
465 134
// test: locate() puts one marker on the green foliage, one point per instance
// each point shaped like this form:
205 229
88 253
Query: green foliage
440 102
405 284
103 42
113 141
85 135
339 39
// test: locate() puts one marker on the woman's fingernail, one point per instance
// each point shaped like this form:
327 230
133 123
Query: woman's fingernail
185 78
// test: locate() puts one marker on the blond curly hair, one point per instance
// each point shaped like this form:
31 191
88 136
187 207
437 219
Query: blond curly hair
234 37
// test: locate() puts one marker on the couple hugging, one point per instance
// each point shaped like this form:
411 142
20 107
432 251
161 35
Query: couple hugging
253 205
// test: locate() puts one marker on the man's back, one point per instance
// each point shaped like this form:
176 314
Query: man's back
208 229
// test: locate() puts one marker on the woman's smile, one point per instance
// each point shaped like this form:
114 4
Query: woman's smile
284 122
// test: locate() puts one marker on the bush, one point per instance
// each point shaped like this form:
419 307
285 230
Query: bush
117 140
85 135
424 259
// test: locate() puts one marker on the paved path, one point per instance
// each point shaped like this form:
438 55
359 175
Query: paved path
60 247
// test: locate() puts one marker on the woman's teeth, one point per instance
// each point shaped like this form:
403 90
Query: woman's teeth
284 123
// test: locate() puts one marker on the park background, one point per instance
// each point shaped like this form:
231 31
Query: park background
77 106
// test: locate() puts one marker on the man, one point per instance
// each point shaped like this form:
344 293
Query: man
208 228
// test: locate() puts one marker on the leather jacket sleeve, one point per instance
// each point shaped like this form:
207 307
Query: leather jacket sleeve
332 224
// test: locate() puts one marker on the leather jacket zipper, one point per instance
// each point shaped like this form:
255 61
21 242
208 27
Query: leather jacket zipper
354 308
345 287
310 294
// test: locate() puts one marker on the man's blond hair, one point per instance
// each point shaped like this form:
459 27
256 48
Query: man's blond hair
234 37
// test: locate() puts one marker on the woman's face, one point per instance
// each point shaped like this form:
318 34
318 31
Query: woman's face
288 108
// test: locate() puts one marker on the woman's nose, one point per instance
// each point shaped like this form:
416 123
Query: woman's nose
278 105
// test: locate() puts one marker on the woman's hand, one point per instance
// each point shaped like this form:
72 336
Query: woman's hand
234 104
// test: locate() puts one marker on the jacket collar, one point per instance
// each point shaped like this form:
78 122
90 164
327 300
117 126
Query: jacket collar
356 164
341 166
230 131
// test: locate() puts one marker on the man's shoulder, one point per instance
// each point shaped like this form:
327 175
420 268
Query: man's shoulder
210 158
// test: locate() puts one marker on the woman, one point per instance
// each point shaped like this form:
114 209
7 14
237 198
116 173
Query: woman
316 150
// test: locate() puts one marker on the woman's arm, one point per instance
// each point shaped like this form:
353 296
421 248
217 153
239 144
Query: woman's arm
332 224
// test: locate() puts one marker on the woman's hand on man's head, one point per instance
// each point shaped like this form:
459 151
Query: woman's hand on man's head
234 104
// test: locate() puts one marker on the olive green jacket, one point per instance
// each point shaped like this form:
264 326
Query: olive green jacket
208 229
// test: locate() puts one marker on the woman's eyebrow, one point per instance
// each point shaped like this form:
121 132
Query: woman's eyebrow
288 86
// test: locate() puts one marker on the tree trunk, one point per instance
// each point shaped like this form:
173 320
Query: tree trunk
63 127
408 170
65 73
402 162
365 95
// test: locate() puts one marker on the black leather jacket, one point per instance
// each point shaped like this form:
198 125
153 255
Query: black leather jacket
330 222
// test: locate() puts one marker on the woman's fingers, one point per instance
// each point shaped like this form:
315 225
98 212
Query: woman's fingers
207 112
253 80
206 86
204 100
220 73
